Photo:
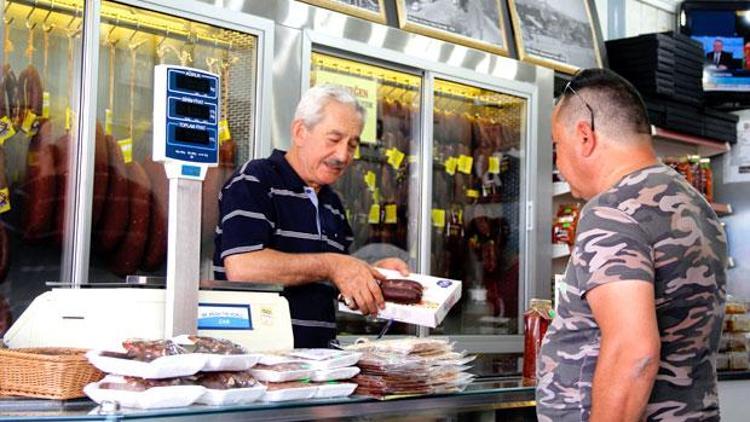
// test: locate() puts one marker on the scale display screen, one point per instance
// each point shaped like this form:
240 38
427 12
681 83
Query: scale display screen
192 110
184 82
192 136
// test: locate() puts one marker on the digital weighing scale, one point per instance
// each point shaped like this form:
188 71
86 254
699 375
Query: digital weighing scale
186 140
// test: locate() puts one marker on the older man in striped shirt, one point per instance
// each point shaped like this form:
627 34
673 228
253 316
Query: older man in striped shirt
280 221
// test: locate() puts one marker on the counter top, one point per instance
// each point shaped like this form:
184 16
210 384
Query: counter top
734 375
482 395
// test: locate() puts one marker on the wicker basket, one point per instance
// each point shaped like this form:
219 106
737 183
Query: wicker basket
50 373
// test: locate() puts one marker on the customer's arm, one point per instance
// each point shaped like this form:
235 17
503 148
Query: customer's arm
629 356
354 278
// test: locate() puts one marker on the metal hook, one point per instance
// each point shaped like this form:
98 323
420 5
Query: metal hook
164 38
48 27
110 40
29 26
5 13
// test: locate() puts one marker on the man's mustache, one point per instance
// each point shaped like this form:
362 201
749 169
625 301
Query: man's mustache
336 163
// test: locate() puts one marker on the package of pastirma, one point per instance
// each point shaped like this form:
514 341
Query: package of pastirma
334 390
335 374
320 359
144 394
170 366
282 372
229 388
221 354
416 299
290 390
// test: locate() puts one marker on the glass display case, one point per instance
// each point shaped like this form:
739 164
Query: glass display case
41 59
129 213
476 184
380 191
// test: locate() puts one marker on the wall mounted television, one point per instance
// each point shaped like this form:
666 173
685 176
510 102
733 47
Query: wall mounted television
723 27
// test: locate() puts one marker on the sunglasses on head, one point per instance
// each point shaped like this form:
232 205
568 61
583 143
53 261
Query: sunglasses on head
569 88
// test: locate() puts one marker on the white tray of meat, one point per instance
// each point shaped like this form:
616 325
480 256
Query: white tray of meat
229 362
326 358
324 375
285 391
161 367
333 390
282 372
232 396
129 395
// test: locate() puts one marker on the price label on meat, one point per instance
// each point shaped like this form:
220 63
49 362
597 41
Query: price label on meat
450 165
494 165
391 215
108 122
366 91
374 216
438 218
464 164
221 316
370 180
224 134
28 121
4 200
126 145
45 105
6 129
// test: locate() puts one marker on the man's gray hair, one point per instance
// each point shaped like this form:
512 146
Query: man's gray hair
310 107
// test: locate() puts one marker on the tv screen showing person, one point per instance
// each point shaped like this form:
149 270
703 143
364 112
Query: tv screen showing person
718 57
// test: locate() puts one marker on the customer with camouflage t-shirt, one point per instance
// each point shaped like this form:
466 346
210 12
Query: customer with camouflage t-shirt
640 312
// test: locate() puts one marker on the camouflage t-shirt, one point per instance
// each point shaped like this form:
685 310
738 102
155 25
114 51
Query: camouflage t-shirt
650 226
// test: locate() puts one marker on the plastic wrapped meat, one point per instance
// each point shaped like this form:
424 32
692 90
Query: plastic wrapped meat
226 380
142 384
217 346
148 350
401 291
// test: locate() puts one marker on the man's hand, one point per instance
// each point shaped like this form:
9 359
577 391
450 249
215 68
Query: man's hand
393 264
358 281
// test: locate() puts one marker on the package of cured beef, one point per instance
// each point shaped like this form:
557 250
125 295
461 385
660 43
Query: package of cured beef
222 355
144 394
229 388
335 374
162 367
319 359
282 372
405 346
334 390
290 390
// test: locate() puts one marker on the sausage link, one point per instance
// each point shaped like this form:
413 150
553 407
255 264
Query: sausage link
114 219
40 187
156 246
8 101
62 173
30 94
127 258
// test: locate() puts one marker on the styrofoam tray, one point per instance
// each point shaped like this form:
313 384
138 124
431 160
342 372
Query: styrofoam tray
301 393
229 362
336 374
275 359
268 375
153 398
163 367
341 389
232 396
327 358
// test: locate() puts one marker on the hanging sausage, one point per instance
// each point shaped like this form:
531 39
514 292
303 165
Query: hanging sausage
156 245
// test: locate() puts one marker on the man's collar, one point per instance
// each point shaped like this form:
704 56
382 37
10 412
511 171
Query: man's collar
291 177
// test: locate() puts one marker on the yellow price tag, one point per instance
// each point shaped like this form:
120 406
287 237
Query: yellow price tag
108 122
472 193
224 134
494 167
4 200
6 129
68 118
126 145
374 216
464 164
357 153
28 121
395 158
450 165
438 218
45 105
370 180
391 216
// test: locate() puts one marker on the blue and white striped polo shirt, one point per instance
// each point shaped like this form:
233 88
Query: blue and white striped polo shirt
265 204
